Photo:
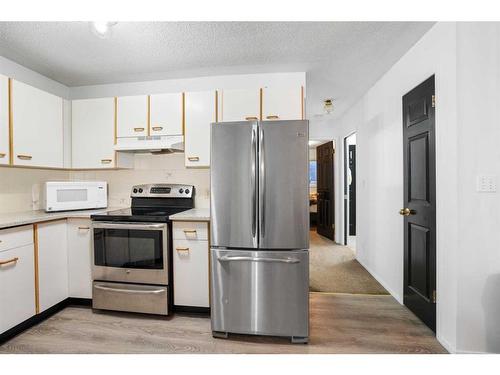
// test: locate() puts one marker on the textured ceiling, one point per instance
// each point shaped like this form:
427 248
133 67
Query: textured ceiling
342 59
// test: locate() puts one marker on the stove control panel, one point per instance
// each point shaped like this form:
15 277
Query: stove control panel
162 191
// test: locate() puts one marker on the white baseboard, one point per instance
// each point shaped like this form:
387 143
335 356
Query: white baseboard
398 297
451 349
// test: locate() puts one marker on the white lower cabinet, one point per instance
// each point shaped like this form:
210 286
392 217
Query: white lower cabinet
17 277
52 263
191 264
80 258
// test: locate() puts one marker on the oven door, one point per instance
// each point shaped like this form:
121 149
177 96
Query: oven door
130 252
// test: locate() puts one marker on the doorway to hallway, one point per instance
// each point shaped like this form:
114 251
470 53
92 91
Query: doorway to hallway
350 191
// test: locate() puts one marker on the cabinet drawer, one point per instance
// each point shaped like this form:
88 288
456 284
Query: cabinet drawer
17 286
190 230
16 237
191 284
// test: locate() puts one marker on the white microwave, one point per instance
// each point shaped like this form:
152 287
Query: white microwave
74 195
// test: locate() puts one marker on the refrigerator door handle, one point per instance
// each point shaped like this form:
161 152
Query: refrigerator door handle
226 258
262 184
254 182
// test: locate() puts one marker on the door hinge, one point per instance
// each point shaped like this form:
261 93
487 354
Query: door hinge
433 296
433 101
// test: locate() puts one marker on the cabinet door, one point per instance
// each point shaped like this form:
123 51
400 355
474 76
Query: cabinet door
132 116
4 120
17 286
166 114
37 127
93 133
191 285
200 113
52 263
282 103
79 258
240 105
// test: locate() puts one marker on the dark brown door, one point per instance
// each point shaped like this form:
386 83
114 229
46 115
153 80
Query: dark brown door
324 160
419 206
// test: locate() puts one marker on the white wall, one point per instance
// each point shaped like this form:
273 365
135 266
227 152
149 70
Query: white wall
478 71
377 119
191 84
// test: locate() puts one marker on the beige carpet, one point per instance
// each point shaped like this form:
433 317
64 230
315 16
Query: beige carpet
333 268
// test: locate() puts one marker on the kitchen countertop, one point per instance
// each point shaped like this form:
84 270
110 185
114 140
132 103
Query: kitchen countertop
15 219
194 214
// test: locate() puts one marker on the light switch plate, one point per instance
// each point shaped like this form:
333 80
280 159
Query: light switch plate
486 183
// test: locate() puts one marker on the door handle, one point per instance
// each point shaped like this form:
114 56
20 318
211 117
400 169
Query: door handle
2 155
129 291
262 187
407 212
106 161
272 117
157 128
138 130
226 258
193 158
251 118
254 187
25 157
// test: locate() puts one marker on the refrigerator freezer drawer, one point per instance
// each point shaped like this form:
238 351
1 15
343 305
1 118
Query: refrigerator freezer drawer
260 292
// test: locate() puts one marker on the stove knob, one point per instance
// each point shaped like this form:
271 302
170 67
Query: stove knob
187 191
140 190
135 191
181 191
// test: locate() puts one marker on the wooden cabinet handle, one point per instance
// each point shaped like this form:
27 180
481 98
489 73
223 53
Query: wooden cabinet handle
137 130
189 230
2 155
4 262
157 128
272 117
106 161
182 248
251 118
193 158
25 157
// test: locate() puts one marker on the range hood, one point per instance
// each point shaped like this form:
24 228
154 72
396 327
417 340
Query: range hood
156 143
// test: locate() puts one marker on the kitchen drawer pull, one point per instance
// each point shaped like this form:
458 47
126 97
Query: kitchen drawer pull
251 118
193 158
157 128
131 291
4 262
106 161
226 258
25 157
83 228
2 155
182 248
189 230
138 130
272 117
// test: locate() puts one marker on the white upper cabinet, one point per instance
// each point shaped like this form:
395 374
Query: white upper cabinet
200 113
282 103
240 105
93 133
37 118
4 120
166 114
132 116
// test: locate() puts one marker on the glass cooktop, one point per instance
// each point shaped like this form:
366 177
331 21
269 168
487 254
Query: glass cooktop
140 214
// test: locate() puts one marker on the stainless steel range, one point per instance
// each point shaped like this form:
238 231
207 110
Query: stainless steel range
132 250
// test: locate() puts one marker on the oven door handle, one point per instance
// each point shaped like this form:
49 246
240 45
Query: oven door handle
128 226
129 291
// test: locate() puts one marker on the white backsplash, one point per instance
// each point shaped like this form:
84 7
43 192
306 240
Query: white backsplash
20 187
166 168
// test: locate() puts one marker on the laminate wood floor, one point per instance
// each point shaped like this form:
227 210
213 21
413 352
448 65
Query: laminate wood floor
339 323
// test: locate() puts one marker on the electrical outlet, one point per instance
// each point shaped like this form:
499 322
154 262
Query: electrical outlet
486 183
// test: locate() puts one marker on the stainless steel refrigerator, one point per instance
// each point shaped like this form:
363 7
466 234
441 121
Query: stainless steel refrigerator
260 228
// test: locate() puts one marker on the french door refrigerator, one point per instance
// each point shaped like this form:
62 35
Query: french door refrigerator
260 228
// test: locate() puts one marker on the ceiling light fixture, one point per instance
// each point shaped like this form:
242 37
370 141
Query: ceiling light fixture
328 105
101 28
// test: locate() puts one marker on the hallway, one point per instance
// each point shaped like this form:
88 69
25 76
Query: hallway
334 269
